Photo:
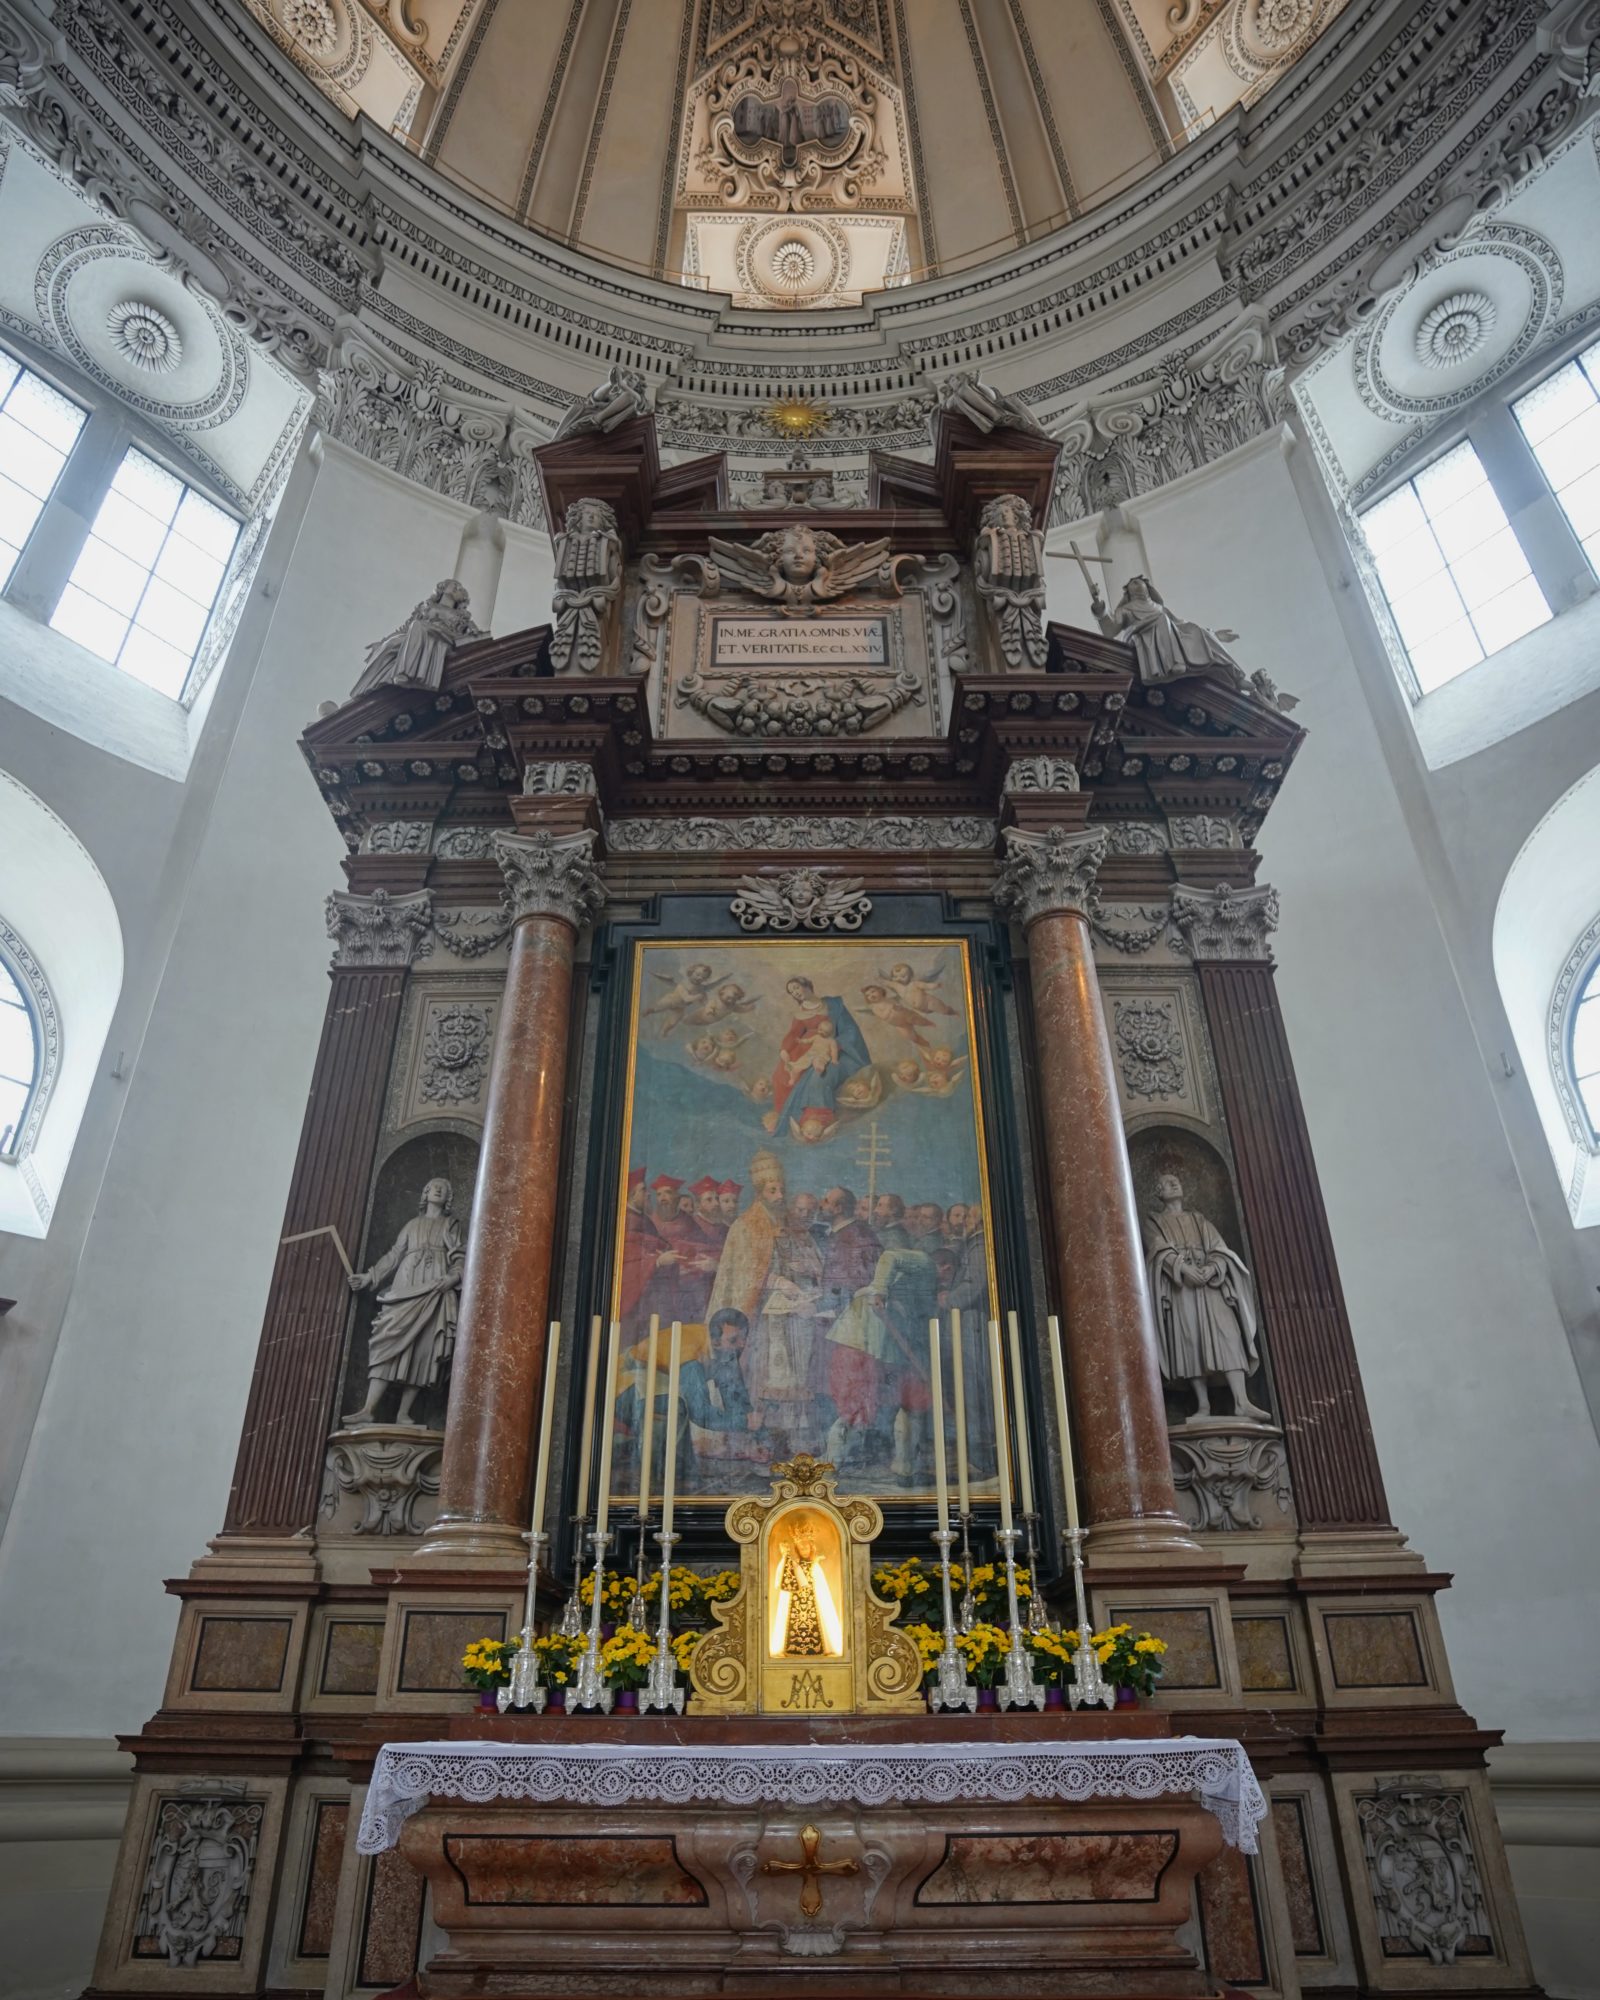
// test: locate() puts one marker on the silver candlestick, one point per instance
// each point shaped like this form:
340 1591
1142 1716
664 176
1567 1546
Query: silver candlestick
951 1687
969 1609
662 1689
1019 1689
526 1690
589 1689
1038 1614
1088 1685
637 1612
572 1612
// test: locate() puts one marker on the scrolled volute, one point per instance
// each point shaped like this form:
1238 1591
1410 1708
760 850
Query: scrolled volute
551 875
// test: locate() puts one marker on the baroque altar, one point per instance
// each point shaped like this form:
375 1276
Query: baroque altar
799 939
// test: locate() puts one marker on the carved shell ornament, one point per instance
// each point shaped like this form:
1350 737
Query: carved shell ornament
1455 329
144 336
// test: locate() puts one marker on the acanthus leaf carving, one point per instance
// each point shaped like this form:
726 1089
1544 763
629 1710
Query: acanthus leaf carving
1049 873
380 929
1226 923
551 875
1150 1049
456 1048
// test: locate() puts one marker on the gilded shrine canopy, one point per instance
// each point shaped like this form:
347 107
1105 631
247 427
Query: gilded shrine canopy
407 1775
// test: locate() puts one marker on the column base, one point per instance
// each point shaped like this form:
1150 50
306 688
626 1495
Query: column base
259 1558
471 1544
1140 1540
1356 1552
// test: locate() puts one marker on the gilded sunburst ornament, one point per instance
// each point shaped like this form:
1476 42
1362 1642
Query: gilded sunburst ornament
797 416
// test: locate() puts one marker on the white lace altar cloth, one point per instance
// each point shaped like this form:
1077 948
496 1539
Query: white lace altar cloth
1213 1768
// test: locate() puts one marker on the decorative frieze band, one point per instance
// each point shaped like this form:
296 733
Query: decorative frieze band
1226 923
795 833
380 929
551 875
1047 874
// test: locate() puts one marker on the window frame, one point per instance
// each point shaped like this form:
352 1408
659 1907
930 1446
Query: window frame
39 1006
1587 950
65 522
25 366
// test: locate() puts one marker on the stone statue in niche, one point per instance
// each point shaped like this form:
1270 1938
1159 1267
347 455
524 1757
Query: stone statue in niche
415 1331
1205 1303
1165 646
620 397
414 654
1008 575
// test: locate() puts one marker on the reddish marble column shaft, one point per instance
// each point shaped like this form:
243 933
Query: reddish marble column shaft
500 1341
1333 1462
1108 1325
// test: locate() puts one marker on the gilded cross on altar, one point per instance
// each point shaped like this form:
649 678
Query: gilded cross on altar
810 1868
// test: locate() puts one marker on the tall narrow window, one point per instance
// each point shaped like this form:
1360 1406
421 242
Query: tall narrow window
1585 1047
19 1059
142 589
1452 568
38 428
1561 421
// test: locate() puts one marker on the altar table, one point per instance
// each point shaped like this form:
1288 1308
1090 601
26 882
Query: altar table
949 1864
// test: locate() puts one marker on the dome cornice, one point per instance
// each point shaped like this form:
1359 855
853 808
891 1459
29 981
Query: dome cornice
186 121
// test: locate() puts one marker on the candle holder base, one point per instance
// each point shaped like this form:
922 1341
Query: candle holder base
950 1687
1018 1688
1088 1687
526 1690
661 1690
589 1689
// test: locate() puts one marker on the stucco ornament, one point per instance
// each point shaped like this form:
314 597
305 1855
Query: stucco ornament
197 1882
415 654
804 899
144 336
1455 329
455 1053
757 704
551 875
389 1478
1008 575
1424 1876
1149 1048
622 396
1226 923
986 408
588 563
1050 873
1218 1470
1042 774
802 568
558 780
313 24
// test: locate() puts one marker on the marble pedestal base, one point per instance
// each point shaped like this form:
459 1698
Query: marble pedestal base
1074 1902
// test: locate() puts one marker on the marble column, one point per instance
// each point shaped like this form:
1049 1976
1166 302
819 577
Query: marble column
554 886
1107 1320
277 1479
1333 1461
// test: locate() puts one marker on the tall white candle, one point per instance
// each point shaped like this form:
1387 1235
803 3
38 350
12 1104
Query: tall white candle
1002 1451
936 1385
958 1382
608 1431
586 1444
649 1419
1062 1425
669 1474
1019 1417
541 1477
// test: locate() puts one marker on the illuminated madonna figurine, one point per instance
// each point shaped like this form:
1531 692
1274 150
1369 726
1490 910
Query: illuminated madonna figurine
805 1619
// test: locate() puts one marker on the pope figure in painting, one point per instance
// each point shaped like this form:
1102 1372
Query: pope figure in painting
822 1050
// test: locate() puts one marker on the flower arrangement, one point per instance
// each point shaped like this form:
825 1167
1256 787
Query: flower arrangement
1129 1659
615 1592
683 1645
625 1657
487 1663
915 1586
558 1658
689 1594
929 1642
718 1588
984 1649
1054 1654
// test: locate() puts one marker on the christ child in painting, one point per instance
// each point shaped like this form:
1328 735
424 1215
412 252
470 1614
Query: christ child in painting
821 1050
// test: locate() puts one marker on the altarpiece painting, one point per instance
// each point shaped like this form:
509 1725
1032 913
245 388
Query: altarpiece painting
804 1187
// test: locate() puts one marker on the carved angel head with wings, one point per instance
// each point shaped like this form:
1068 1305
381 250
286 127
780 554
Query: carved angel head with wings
803 567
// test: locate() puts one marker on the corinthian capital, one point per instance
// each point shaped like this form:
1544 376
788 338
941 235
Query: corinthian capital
380 929
1226 923
1046 873
551 875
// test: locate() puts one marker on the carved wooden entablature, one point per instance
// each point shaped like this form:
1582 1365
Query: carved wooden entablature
1180 773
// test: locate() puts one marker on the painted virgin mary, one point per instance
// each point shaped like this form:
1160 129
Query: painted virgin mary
822 1051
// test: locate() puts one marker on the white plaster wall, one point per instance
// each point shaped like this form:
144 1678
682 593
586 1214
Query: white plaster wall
1487 1448
127 1471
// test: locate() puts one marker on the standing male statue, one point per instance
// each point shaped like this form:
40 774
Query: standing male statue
415 1330
1204 1300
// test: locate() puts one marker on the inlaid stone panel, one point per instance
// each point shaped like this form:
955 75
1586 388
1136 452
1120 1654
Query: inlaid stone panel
1299 1880
391 1927
638 1871
433 1642
240 1655
1266 1660
1018 1868
350 1652
1375 1649
1230 1921
1191 1658
329 1826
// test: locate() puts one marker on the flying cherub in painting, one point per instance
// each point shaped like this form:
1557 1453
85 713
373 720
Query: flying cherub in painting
729 1042
881 1002
729 998
941 1076
690 988
918 989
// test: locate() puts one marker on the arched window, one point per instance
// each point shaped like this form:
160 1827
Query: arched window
21 1057
1583 1046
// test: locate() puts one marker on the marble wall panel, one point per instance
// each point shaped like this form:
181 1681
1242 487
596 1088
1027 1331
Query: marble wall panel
391 1923
1015 1868
240 1655
1314 1925
1193 1658
1300 1898
1379 1644
1230 1921
348 1661
1380 1649
330 1822
639 1871
1266 1655
432 1643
